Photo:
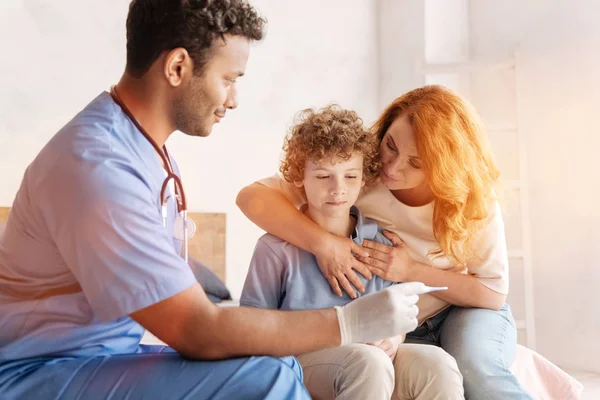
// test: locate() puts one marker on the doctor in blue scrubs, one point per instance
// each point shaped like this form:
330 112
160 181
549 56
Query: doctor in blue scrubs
91 254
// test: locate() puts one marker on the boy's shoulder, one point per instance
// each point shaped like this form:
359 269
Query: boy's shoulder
273 244
273 241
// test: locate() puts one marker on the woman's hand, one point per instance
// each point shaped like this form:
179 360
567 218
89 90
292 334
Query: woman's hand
338 264
392 263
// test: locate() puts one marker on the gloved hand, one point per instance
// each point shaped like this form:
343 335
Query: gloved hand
387 313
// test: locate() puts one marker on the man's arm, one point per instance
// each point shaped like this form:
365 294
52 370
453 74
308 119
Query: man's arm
195 327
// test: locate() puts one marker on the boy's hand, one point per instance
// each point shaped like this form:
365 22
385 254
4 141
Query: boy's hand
390 345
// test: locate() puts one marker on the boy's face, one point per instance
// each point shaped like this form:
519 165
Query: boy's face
333 185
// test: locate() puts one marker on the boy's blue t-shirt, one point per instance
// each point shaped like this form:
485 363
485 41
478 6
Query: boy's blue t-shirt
283 276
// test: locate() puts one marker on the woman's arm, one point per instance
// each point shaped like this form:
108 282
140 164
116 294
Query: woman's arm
273 212
191 324
463 290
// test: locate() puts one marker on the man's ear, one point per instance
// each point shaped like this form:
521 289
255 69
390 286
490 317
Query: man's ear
178 64
362 183
299 184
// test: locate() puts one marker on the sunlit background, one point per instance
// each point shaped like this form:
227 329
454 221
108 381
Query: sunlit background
531 68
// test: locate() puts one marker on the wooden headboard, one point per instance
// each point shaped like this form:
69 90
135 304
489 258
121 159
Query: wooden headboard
207 245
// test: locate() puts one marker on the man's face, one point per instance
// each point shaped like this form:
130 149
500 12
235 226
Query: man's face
204 99
333 185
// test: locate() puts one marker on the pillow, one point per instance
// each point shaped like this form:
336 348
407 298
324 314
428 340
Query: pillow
210 282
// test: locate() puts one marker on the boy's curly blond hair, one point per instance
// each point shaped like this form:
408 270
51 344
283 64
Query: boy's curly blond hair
329 132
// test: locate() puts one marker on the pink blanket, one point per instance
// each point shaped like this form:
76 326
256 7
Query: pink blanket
543 379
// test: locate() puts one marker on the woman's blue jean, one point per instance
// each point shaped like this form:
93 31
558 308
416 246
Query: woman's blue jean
483 342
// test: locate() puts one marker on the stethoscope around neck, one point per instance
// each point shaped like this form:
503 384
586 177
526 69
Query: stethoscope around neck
182 224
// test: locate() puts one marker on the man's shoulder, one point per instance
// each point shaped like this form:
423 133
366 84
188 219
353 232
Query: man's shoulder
93 157
94 127
90 137
97 141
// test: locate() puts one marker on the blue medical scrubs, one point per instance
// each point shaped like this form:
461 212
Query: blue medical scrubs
83 248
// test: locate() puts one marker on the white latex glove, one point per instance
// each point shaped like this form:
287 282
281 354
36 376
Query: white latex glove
390 312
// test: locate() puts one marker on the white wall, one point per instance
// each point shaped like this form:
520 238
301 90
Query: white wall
560 89
560 98
57 56
401 40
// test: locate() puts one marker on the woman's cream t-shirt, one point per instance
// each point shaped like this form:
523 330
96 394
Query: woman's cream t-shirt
415 227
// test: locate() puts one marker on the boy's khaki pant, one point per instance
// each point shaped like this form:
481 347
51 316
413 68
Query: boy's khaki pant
360 371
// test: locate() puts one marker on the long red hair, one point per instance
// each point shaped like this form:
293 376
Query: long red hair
457 162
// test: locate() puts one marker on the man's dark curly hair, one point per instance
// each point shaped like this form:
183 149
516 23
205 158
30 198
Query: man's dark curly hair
156 26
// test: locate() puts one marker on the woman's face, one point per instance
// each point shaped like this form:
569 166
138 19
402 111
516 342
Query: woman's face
402 166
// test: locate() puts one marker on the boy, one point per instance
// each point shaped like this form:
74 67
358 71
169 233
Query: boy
330 157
